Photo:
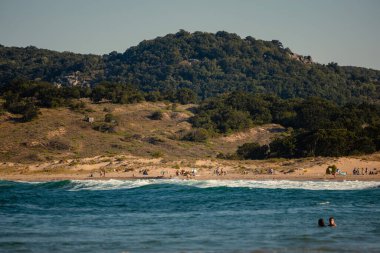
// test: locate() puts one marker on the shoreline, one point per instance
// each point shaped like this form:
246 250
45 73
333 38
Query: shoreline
128 167
52 178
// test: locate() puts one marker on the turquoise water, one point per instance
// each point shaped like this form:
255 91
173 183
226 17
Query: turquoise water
188 216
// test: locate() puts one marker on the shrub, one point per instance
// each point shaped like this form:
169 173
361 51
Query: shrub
232 156
77 106
131 98
153 96
157 115
58 145
104 127
186 96
30 112
157 154
155 140
283 147
253 151
199 135
2 111
110 118
107 109
34 158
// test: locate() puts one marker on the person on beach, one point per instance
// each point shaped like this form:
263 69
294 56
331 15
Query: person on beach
332 222
321 223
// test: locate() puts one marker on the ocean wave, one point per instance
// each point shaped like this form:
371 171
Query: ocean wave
113 184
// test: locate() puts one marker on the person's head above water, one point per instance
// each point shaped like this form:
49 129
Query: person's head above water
321 222
332 222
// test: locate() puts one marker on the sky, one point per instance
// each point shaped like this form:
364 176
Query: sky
342 31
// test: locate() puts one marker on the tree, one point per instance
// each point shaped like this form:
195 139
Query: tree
283 147
253 151
98 93
30 112
325 142
153 96
228 120
208 64
186 96
364 145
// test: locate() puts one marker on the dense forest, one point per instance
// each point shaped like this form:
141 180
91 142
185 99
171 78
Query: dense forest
327 110
207 63
315 126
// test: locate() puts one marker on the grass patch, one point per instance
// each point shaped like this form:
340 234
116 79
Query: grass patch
157 154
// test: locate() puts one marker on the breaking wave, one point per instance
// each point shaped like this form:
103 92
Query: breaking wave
113 184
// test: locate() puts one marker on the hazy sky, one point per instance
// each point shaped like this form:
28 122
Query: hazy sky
343 31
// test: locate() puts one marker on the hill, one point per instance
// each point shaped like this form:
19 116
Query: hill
61 144
207 63
62 133
31 63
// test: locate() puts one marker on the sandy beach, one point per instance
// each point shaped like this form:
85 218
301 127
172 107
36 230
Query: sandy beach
127 167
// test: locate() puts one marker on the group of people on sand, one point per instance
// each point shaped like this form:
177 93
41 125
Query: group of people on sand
332 223
362 171
220 172
144 172
102 173
186 173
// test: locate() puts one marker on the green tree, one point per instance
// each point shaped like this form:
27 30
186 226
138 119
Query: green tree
253 151
283 147
30 112
186 96
98 93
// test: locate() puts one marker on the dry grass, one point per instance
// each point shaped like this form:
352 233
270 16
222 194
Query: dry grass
61 134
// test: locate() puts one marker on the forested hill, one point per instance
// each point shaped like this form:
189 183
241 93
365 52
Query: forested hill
31 63
207 63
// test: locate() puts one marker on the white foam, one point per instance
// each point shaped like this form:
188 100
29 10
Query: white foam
111 184
114 184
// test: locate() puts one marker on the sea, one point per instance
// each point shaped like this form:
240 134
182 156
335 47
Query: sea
156 215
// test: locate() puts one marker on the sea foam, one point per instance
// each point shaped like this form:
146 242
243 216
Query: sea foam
114 184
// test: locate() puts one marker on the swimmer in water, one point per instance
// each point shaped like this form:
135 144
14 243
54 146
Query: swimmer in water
321 223
332 222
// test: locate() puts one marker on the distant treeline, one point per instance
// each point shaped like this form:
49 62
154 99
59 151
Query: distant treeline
315 126
207 63
26 97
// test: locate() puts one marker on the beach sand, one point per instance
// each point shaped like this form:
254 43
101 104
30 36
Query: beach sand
125 167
